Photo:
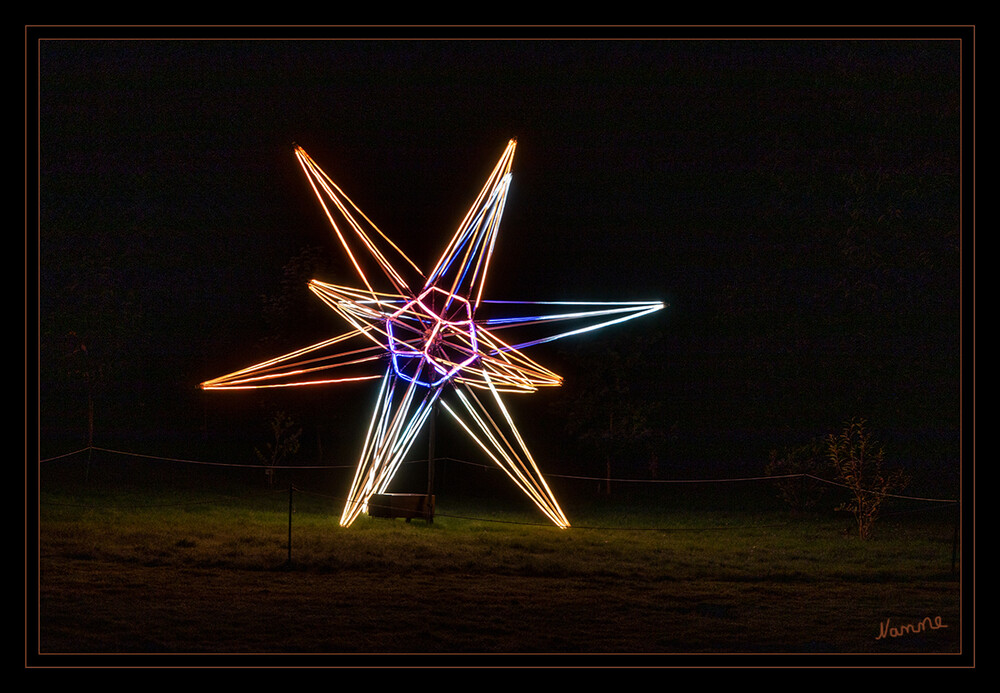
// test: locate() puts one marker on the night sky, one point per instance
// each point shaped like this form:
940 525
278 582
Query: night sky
796 202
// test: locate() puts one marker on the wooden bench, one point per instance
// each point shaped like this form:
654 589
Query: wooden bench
408 505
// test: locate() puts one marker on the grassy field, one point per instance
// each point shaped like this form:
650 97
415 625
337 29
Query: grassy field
128 569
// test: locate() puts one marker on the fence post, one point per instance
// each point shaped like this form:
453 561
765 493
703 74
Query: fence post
289 525
954 539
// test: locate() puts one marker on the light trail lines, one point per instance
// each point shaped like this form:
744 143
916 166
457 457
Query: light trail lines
423 339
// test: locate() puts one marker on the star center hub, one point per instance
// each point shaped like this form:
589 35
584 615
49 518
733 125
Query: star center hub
432 338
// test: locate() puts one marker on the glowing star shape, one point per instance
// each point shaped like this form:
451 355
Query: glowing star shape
424 336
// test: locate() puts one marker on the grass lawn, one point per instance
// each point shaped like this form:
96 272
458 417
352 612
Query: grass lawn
195 571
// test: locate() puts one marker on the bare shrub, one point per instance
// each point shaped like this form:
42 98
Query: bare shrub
858 461
799 473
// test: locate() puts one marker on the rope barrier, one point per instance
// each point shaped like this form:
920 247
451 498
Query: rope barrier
187 461
617 480
489 468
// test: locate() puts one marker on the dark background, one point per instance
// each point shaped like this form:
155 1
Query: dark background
795 199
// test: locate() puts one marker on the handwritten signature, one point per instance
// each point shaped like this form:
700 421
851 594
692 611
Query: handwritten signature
927 623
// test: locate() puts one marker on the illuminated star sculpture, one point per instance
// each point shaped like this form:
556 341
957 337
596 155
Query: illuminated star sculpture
426 335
